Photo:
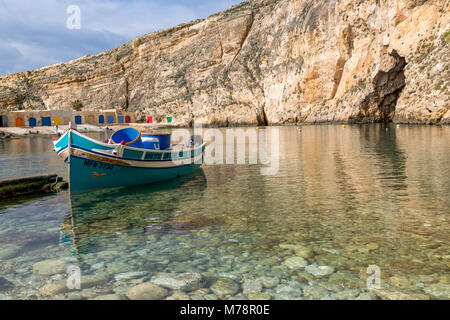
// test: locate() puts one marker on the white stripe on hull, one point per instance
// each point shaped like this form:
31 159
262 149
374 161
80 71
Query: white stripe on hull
134 163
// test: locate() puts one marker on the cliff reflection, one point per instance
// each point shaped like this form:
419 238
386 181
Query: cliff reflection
357 183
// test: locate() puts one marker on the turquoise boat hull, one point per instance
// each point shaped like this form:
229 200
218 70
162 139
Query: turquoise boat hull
87 174
97 165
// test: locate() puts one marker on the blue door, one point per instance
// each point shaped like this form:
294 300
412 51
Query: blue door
101 119
46 121
110 119
120 118
32 122
78 119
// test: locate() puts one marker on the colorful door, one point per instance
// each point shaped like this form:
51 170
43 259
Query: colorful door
78 119
46 121
169 119
56 121
149 119
32 122
110 119
101 119
3 121
19 122
127 119
120 118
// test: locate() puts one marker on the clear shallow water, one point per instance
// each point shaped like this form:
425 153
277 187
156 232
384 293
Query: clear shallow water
20 157
342 198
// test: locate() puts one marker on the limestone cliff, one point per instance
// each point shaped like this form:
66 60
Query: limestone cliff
267 62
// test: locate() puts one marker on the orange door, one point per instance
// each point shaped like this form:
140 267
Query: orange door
19 122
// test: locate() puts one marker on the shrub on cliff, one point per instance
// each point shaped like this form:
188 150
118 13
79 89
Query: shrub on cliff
77 105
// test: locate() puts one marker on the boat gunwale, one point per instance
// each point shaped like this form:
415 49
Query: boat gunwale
130 159
114 146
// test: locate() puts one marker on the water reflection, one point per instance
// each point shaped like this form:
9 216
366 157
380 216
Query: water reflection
99 215
29 155
381 141
350 197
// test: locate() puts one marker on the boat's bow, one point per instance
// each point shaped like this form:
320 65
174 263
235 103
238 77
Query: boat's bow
61 146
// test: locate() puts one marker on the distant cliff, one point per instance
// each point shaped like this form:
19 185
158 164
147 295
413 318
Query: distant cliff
266 62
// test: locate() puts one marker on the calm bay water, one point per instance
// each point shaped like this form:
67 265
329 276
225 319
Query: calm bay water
342 200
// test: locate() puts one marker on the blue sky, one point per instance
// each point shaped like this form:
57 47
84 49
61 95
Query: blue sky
34 33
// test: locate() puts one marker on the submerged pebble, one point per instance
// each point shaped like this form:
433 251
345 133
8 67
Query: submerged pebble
315 292
295 263
251 286
319 271
147 291
51 267
438 290
180 281
225 286
5 284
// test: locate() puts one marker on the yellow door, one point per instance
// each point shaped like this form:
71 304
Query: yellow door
56 120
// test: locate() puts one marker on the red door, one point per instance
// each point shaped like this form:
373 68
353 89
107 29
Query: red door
149 119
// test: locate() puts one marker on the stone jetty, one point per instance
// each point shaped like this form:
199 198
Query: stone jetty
15 187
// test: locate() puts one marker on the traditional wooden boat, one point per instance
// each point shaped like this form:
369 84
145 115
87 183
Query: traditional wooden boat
129 158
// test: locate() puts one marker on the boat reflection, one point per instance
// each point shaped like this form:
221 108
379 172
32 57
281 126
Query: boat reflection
99 215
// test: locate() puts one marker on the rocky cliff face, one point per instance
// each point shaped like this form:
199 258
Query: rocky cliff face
267 62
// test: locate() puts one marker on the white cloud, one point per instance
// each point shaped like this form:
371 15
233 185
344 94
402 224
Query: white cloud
34 33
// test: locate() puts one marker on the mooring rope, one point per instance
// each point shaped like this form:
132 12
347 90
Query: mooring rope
54 185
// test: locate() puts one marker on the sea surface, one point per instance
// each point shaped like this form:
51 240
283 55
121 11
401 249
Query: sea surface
360 212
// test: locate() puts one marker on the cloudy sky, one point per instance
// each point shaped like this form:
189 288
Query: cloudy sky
34 34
